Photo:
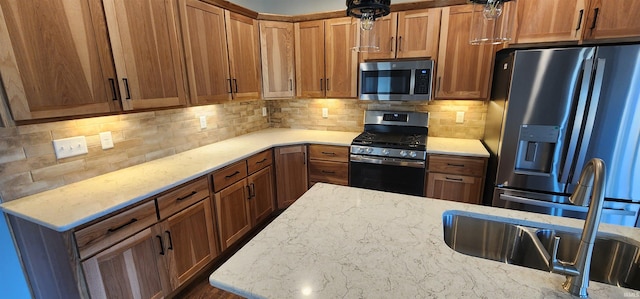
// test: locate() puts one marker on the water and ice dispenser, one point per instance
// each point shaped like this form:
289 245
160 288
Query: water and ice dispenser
536 147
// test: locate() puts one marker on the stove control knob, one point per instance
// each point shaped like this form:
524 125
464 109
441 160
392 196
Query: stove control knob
413 154
369 150
385 151
403 153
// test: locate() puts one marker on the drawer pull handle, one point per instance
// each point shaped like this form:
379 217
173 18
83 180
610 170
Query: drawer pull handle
329 153
248 192
261 161
455 165
453 179
170 239
187 196
252 191
114 229
329 172
232 175
161 245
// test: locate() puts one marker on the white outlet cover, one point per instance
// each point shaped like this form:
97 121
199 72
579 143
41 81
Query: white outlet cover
106 140
203 122
264 111
325 112
69 147
460 117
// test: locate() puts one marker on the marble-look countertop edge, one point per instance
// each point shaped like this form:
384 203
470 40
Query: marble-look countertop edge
254 143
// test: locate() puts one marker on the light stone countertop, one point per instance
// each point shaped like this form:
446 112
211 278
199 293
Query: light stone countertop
343 242
69 206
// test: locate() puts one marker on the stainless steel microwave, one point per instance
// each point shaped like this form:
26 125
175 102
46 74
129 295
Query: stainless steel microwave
396 80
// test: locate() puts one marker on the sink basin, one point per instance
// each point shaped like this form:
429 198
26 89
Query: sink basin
495 240
615 261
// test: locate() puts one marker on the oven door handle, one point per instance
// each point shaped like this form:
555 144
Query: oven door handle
567 207
387 161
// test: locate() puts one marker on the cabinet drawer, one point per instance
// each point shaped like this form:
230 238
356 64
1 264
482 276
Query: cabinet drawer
182 197
329 172
103 234
259 161
457 165
329 153
229 175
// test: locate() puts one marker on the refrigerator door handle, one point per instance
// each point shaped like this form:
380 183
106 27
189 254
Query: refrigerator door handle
591 117
566 207
577 123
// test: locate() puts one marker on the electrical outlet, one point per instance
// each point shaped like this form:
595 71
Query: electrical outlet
325 112
203 122
264 111
460 117
106 140
69 147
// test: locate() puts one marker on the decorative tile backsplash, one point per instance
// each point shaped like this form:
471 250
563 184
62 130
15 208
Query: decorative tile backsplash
28 164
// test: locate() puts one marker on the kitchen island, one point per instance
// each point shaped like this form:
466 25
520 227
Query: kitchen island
343 242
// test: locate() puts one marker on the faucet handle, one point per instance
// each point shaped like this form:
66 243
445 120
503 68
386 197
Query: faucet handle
559 266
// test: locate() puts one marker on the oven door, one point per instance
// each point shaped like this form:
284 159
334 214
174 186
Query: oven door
387 174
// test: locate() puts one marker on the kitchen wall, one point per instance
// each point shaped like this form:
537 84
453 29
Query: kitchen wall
28 164
348 115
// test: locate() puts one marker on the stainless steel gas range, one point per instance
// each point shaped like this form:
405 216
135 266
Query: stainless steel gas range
391 153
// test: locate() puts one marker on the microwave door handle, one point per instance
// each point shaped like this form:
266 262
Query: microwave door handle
566 207
412 82
577 122
591 117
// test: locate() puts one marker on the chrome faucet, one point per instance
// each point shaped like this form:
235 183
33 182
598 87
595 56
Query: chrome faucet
590 192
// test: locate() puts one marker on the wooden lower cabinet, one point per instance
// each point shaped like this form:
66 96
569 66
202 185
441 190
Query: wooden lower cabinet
233 213
132 268
291 173
328 164
456 178
262 194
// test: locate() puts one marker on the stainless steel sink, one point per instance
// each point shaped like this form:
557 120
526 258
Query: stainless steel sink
615 261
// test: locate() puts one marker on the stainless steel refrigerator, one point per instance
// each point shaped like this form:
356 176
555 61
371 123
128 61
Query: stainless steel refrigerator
552 110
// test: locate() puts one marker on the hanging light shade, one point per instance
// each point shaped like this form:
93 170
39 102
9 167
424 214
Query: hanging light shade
365 13
491 21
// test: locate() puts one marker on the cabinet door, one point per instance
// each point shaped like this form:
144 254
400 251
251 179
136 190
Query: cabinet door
132 268
205 48
341 62
262 194
55 59
291 174
244 55
549 20
463 70
612 19
276 44
190 241
233 213
418 32
145 52
310 59
454 187
385 28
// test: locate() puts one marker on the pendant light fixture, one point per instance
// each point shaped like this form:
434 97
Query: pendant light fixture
365 13
491 21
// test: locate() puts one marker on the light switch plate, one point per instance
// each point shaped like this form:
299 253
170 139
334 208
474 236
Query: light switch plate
264 111
325 112
203 122
106 140
69 147
460 117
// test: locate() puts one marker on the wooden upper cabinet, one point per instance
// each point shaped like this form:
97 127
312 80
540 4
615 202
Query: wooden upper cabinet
205 47
277 53
608 19
55 59
418 32
244 55
408 34
341 62
463 70
309 41
549 21
146 53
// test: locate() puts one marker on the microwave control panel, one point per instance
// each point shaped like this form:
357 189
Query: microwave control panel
423 81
